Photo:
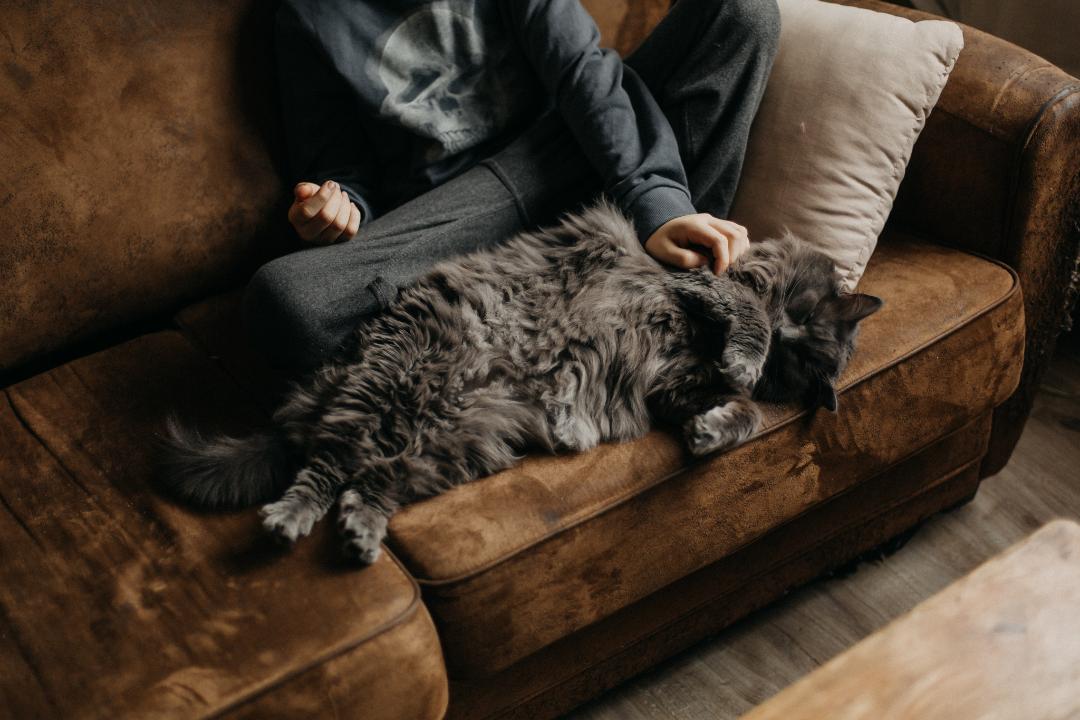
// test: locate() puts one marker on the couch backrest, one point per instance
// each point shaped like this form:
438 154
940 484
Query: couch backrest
137 170
134 169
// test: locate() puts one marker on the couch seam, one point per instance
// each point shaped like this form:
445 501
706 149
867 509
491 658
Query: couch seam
20 417
663 628
386 626
1020 156
1015 78
1063 93
619 500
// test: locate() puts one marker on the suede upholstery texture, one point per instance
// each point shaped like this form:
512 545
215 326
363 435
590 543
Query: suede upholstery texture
135 169
138 170
585 663
118 603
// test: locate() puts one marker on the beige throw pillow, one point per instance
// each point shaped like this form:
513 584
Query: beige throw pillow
849 93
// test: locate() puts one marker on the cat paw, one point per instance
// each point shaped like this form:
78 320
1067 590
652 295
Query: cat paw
360 551
712 431
742 373
569 433
287 521
362 532
574 436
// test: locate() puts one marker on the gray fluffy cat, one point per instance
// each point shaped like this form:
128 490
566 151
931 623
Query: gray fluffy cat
557 340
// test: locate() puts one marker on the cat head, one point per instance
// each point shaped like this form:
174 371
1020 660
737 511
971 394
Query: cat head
811 345
814 323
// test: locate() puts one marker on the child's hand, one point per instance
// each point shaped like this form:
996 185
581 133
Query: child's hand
687 241
323 215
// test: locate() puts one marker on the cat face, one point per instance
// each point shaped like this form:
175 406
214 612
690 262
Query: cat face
813 339
814 324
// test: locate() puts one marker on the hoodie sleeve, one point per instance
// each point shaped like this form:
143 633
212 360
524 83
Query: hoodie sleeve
611 113
323 139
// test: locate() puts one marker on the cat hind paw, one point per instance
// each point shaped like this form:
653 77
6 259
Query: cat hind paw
286 521
362 531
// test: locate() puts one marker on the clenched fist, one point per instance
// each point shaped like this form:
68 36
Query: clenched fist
323 215
684 242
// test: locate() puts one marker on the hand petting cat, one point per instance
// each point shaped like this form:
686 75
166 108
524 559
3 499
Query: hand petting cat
684 241
323 215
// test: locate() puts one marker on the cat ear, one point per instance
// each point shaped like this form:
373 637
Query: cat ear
856 307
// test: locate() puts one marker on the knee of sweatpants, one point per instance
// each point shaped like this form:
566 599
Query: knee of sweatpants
281 320
754 24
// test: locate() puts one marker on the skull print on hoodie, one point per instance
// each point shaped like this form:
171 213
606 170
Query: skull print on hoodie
450 76
391 98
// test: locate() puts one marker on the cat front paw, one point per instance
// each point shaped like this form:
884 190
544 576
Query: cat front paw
742 378
705 432
742 372
721 428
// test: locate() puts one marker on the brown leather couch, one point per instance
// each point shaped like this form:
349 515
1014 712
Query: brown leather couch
139 156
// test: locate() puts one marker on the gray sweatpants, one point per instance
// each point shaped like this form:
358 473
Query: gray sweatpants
706 65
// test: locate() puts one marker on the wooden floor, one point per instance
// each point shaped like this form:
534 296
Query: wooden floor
727 675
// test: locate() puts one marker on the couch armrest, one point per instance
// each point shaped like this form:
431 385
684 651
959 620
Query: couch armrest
997 171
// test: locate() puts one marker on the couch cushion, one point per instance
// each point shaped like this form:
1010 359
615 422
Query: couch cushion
515 561
116 603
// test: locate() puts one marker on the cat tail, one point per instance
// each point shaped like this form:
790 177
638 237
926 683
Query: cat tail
223 472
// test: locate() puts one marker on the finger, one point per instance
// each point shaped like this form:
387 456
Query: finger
723 259
314 205
304 190
737 239
738 235
729 228
326 216
296 215
684 258
717 242
742 244
354 221
335 229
